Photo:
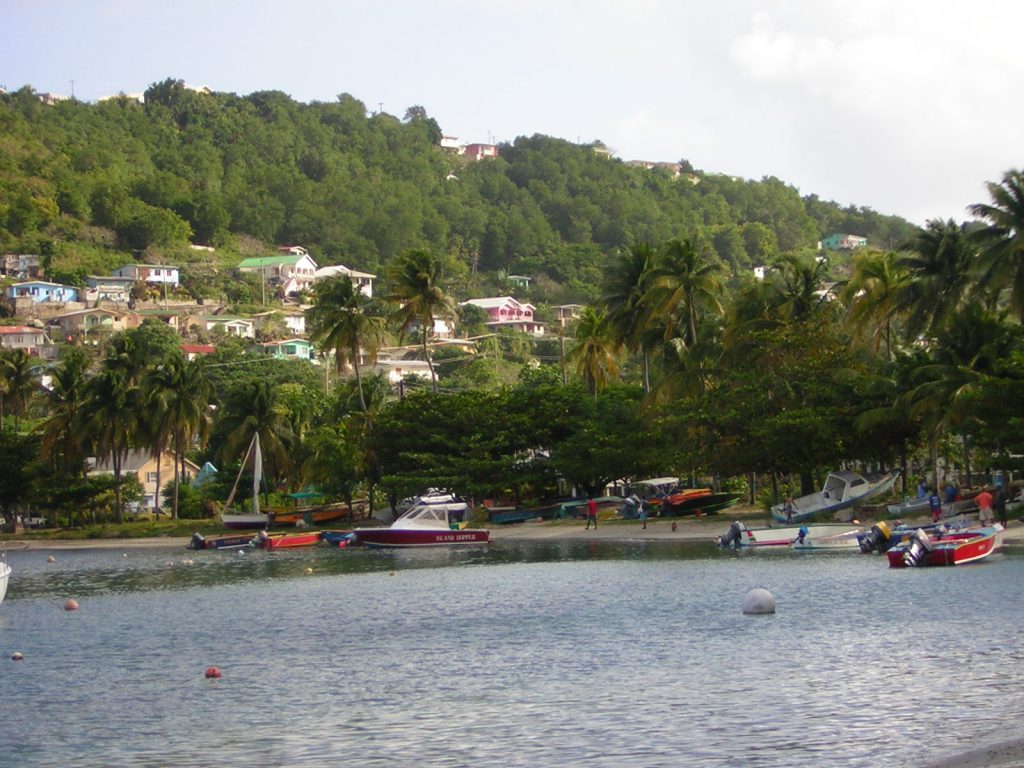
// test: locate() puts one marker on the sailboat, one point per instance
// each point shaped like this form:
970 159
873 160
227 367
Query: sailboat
254 519
5 573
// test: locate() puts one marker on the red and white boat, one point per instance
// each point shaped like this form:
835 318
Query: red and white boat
953 548
435 521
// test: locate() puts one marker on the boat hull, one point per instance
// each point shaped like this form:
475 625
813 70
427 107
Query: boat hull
412 538
816 503
287 540
784 536
245 522
957 548
226 541
5 575
700 504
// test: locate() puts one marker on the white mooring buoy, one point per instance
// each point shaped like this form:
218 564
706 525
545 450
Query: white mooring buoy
758 601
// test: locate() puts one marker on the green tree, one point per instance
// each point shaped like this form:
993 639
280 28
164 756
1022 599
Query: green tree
416 288
252 408
684 285
1002 240
938 266
872 296
339 322
110 416
629 317
17 370
593 353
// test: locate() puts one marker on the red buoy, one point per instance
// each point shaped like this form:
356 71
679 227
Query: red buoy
71 604
212 673
343 543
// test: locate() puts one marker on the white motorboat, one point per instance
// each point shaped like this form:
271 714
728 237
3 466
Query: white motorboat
740 536
5 573
841 490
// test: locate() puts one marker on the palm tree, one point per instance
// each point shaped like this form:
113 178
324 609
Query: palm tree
800 287
415 286
629 317
109 416
938 267
594 352
179 393
1002 241
251 408
62 442
18 374
872 296
683 284
339 321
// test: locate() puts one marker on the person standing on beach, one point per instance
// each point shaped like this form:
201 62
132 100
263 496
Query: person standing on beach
984 502
788 508
643 514
591 512
999 504
935 504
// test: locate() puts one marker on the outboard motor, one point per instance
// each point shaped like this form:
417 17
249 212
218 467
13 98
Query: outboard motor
876 539
197 542
916 553
734 536
801 535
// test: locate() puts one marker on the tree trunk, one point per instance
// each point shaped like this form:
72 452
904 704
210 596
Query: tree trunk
645 361
177 477
430 362
118 510
159 479
359 378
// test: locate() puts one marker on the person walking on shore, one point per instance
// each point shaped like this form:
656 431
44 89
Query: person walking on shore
643 514
935 505
999 504
591 512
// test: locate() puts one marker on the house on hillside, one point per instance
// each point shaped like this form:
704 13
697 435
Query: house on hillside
363 281
144 466
168 317
842 242
292 269
566 313
192 351
507 312
229 326
108 287
480 151
21 264
32 340
289 349
293 320
40 290
87 324
391 363
152 274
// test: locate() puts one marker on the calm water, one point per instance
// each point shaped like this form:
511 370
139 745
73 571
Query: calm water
521 655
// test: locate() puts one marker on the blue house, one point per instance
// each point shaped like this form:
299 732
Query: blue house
40 290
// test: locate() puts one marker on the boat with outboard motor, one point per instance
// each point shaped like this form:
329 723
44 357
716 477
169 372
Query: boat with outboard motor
924 549
285 539
740 536
222 541
841 490
430 522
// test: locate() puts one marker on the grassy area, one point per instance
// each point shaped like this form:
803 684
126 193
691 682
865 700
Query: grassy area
142 529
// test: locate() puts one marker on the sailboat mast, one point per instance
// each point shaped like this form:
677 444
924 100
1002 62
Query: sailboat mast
234 488
257 473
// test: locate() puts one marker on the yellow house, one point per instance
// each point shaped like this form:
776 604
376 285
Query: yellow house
143 466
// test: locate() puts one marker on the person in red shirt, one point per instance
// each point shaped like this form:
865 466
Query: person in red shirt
591 512
984 502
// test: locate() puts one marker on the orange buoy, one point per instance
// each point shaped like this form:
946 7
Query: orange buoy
212 673
70 604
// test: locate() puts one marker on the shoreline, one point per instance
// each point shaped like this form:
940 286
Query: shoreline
688 530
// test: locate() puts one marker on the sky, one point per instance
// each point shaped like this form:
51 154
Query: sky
906 107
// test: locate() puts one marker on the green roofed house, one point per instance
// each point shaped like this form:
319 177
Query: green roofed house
293 269
288 349
841 242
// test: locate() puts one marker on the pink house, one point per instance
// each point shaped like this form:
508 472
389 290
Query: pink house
507 312
480 151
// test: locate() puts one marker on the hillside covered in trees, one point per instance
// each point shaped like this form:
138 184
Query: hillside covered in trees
91 185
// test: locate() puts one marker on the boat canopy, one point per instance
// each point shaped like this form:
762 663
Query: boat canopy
432 515
658 484
840 486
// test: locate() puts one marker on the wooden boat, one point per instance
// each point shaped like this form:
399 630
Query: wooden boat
284 540
337 538
699 502
841 490
954 548
315 515
224 541
5 575
428 523
740 536
254 519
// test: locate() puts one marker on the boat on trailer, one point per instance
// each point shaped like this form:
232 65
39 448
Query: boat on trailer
427 523
923 549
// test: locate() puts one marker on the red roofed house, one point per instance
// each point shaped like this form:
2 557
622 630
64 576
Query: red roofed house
23 337
192 351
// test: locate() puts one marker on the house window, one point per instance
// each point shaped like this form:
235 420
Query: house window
151 477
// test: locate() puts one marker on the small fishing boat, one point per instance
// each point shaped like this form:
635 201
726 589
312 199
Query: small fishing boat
223 541
429 523
840 491
285 539
699 502
337 538
5 575
835 542
923 549
740 536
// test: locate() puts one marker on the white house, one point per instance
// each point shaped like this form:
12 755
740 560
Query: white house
293 269
363 281
154 274
32 340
